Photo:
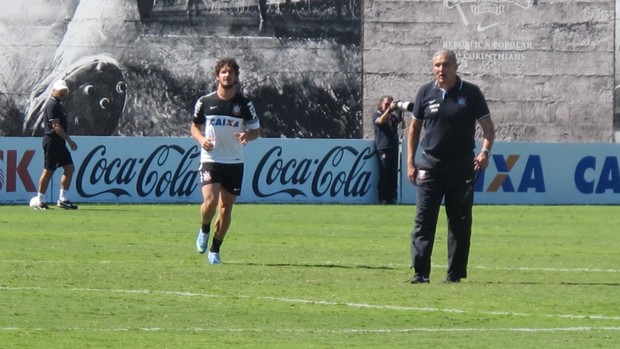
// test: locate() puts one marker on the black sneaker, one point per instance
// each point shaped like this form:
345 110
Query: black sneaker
40 206
67 205
452 280
417 279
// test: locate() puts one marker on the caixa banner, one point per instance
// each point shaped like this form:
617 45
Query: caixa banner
544 173
165 170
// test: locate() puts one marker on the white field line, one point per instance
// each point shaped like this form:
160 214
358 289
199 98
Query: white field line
404 266
320 302
342 331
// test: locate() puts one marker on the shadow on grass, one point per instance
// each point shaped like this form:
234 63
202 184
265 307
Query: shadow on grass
616 284
318 265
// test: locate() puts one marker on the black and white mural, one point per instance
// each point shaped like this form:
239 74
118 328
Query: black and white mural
136 67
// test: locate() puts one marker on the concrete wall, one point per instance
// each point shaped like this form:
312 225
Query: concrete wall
546 67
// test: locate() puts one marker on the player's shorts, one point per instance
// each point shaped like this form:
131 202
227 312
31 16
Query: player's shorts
55 153
230 176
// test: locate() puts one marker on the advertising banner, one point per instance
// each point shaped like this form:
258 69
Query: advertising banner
164 170
543 173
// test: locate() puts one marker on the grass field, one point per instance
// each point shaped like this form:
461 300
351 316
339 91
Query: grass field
305 276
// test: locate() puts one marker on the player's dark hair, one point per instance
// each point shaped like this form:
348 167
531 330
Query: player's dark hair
227 62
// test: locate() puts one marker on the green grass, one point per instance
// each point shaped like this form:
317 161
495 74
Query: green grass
305 276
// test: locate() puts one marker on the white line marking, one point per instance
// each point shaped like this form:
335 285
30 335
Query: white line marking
342 331
321 302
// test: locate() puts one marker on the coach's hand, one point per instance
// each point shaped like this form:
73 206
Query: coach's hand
481 161
412 174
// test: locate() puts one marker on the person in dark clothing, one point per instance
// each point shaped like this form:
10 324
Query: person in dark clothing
448 110
386 122
55 150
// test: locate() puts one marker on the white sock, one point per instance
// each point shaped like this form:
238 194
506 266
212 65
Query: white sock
63 195
41 197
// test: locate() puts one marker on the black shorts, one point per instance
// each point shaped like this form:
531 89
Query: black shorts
55 153
230 176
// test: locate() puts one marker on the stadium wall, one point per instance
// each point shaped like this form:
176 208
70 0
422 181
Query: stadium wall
308 171
315 68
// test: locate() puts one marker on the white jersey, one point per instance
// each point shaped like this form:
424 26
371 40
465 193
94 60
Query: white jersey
221 120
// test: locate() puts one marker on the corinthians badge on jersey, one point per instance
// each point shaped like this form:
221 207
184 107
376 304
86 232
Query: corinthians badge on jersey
236 110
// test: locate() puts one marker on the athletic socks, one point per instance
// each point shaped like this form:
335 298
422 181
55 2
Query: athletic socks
215 247
63 195
206 228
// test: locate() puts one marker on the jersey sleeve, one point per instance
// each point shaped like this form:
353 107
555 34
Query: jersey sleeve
482 109
251 118
199 116
418 104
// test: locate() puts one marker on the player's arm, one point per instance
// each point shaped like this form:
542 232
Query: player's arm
248 135
196 131
60 131
197 125
252 125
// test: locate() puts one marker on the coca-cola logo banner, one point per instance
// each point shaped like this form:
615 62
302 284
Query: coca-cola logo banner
165 170
306 170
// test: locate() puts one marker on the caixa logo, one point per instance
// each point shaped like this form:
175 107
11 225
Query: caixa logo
592 176
13 167
531 177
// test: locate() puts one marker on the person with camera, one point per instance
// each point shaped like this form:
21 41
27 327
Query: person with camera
448 109
386 120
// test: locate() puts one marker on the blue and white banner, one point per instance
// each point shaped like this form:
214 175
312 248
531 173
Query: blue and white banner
544 173
164 170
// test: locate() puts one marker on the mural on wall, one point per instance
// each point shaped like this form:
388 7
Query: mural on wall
136 68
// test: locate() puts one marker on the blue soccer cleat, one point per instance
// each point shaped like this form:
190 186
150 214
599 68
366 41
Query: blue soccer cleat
214 258
202 241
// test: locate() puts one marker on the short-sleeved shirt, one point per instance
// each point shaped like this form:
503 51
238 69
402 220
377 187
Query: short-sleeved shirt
386 134
221 120
450 118
54 110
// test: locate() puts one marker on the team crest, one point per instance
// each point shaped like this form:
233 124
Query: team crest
486 12
236 110
461 102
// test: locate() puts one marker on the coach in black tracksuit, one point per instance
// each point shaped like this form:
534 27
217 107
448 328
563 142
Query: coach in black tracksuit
447 109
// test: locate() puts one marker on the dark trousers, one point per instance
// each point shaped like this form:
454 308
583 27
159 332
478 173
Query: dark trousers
449 181
388 174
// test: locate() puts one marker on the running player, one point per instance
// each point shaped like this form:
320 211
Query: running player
223 122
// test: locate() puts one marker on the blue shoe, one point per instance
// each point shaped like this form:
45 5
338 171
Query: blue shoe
214 258
202 240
